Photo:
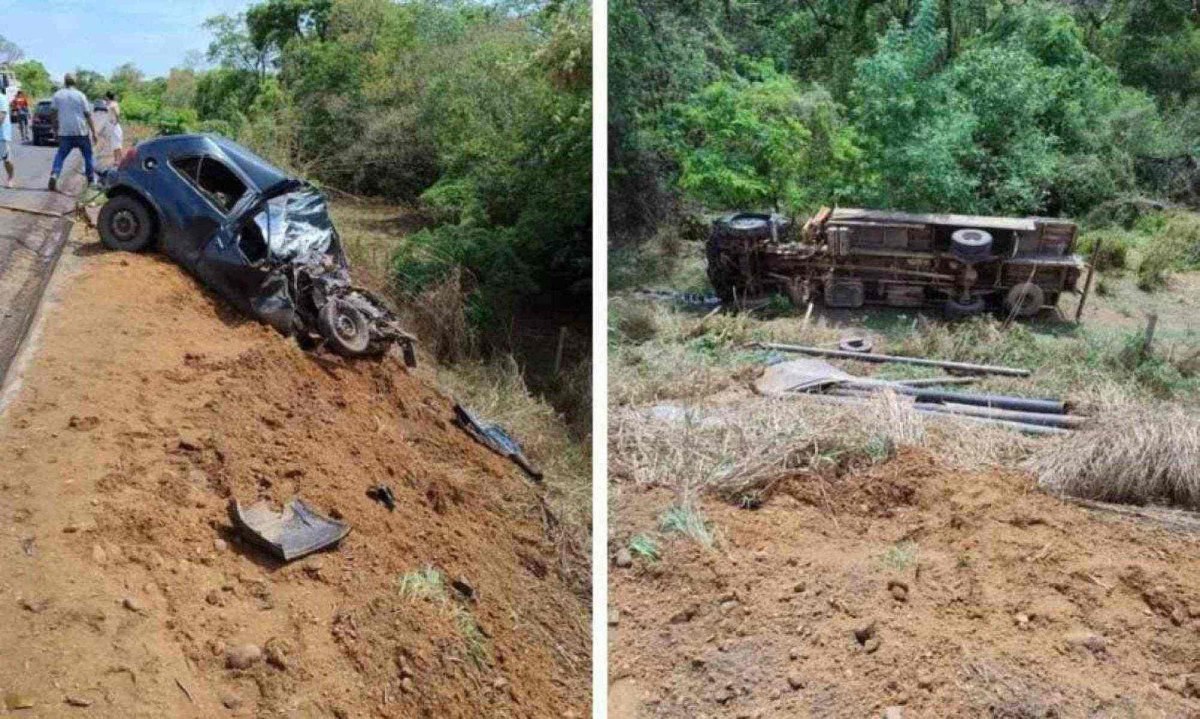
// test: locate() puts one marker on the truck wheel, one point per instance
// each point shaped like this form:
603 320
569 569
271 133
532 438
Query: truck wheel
752 226
344 328
718 272
956 310
971 245
125 224
1024 300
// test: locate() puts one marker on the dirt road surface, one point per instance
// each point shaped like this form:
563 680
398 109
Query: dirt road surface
143 408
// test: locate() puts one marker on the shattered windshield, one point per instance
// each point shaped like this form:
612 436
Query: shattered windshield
295 225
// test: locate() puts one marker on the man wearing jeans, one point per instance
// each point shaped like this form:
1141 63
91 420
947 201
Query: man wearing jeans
75 129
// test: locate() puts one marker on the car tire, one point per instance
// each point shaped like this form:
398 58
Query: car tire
125 224
1024 300
955 310
344 328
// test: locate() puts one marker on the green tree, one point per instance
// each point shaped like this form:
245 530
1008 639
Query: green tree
763 143
34 78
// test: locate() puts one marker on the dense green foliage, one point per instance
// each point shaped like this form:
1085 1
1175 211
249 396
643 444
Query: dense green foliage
965 105
477 113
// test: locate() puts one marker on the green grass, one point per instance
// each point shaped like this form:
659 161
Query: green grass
688 521
430 584
425 583
645 547
900 556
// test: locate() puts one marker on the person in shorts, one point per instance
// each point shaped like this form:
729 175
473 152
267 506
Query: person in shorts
6 146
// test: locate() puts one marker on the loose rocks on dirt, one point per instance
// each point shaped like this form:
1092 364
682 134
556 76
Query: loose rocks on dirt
899 590
624 558
243 656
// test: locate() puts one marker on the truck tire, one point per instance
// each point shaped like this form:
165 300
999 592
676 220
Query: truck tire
1024 300
971 245
719 274
125 224
344 328
955 310
752 226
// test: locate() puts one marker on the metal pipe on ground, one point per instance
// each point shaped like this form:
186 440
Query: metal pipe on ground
1007 424
878 358
934 381
937 396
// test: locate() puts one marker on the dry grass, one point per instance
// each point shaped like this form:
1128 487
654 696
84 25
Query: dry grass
496 391
741 451
1137 454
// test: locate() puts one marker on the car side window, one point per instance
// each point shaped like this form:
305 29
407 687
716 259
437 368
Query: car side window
252 242
212 178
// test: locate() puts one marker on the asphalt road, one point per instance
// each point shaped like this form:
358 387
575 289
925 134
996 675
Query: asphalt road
34 225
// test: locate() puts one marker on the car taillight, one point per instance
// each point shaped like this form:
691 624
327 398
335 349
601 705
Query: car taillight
128 158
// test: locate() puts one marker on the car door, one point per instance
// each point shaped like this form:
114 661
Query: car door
194 217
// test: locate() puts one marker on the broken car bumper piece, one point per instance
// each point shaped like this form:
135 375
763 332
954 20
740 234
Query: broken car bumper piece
495 438
296 531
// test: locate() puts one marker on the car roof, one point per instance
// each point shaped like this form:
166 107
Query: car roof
261 173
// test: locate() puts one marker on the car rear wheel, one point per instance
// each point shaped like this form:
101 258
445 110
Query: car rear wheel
344 328
125 224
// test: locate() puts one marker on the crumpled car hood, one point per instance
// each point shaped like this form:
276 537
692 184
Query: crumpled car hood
296 225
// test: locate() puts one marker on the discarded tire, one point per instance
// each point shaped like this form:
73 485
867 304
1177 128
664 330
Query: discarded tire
1024 300
855 344
344 328
125 224
957 310
971 245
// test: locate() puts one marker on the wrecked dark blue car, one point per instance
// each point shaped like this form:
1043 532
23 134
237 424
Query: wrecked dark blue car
258 237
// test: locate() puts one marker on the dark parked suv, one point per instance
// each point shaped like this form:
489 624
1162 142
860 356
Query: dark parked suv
258 237
45 123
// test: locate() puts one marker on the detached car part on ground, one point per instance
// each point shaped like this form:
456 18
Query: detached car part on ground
258 237
850 257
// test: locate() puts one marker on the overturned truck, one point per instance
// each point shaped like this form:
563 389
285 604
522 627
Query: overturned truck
849 257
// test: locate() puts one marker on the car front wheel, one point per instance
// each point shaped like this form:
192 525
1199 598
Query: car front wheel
344 328
125 224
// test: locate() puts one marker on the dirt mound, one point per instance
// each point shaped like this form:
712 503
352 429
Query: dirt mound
910 585
146 409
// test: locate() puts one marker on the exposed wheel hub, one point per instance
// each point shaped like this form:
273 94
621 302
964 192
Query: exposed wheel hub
124 224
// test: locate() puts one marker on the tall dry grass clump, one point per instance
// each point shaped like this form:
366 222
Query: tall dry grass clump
1138 454
741 452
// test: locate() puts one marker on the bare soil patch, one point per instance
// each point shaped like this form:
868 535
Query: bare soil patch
909 584
146 407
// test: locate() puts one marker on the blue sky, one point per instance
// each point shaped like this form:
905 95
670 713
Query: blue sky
153 34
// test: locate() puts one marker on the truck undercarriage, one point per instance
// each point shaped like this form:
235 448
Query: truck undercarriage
851 257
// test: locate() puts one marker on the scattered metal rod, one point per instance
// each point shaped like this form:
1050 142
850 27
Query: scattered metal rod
995 401
1068 421
934 381
945 364
1007 424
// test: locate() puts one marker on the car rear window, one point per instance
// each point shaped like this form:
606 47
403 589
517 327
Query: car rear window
213 179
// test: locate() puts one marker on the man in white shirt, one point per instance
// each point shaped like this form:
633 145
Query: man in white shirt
75 129
6 144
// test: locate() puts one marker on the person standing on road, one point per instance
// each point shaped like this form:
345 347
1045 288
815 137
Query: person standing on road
20 113
75 129
6 147
116 136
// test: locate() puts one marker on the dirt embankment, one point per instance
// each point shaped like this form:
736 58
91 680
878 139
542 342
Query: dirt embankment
912 588
145 407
